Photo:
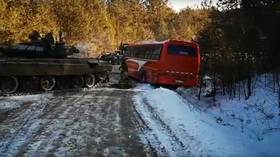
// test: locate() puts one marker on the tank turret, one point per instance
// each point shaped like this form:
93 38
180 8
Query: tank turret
38 48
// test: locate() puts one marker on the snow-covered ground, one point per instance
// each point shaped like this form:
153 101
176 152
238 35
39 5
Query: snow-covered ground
179 125
105 122
14 102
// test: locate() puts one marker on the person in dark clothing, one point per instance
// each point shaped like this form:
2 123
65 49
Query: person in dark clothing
34 36
49 39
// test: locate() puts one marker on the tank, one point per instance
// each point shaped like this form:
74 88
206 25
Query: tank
43 64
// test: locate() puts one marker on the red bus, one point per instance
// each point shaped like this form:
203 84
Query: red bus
170 62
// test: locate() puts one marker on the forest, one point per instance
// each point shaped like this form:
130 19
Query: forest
101 24
238 38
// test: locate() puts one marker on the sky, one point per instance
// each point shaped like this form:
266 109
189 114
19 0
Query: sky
180 4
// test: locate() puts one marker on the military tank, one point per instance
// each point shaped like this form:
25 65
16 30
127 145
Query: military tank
43 64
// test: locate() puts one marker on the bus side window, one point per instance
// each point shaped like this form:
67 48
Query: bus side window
155 53
129 52
142 52
136 51
126 52
145 52
133 52
148 53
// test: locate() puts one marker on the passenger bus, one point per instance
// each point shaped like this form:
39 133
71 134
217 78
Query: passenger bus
170 62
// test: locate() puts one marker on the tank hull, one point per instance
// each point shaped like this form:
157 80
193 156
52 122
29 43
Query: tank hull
53 67
24 74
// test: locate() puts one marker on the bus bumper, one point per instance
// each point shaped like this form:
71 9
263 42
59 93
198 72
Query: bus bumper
177 81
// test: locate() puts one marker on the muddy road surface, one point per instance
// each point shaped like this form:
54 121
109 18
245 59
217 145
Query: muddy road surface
98 122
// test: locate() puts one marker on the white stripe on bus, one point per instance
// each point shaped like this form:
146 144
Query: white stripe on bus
139 62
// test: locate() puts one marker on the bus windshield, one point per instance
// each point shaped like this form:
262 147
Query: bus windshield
181 50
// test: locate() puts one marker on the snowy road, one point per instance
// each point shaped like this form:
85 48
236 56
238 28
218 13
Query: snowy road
77 123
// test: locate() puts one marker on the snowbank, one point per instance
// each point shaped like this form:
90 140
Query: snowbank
232 128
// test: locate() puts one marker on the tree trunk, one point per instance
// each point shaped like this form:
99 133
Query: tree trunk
278 85
234 90
239 94
200 86
223 86
214 88
278 95
244 89
249 81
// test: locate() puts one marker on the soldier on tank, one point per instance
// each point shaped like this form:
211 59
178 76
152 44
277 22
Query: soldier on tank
34 36
48 40
61 37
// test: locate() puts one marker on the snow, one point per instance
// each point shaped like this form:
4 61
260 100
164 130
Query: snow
234 127
14 102
9 105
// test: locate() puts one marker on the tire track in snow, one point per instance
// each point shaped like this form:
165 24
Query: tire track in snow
22 132
33 125
157 133
39 145
67 127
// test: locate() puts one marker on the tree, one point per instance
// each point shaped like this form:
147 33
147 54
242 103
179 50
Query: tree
130 20
189 22
85 23
159 16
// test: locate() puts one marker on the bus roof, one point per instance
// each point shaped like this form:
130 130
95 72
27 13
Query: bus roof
153 42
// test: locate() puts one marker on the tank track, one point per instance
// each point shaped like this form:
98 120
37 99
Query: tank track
22 93
65 84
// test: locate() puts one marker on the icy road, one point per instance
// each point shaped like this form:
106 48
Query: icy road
75 123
